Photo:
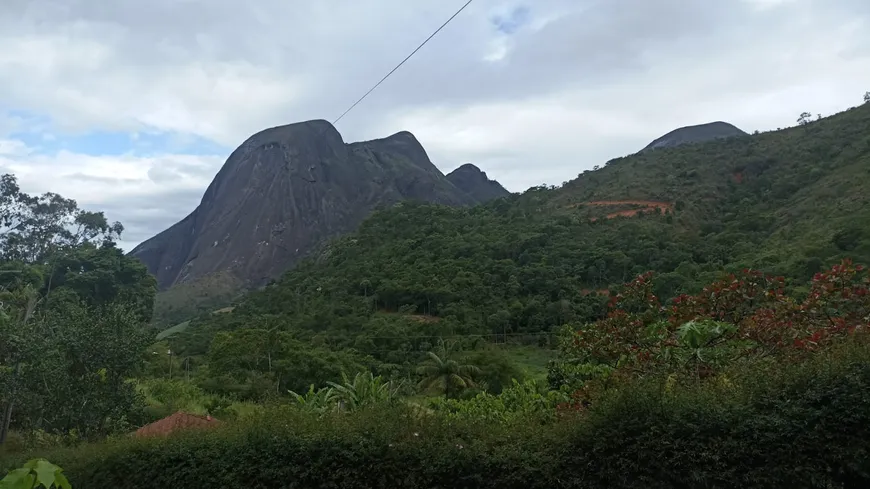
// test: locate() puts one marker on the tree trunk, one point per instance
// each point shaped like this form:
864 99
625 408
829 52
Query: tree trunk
7 419
7 412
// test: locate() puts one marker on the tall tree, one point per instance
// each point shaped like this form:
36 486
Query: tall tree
48 239
38 226
805 118
99 276
72 311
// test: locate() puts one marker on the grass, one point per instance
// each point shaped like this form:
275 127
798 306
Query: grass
178 328
531 360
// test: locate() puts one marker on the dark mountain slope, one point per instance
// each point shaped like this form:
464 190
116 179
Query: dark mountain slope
471 180
787 202
695 134
284 191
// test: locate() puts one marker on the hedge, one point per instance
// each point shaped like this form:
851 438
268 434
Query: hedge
807 429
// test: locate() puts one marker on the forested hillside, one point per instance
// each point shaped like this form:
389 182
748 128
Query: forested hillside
787 203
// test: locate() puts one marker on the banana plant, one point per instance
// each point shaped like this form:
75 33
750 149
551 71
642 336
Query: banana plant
318 401
364 390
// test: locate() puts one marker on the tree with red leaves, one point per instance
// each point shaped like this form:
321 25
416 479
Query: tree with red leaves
744 316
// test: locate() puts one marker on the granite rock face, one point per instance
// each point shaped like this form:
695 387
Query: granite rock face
286 190
474 182
695 134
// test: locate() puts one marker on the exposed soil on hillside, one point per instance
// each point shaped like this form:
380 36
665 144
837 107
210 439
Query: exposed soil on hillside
601 292
645 203
646 206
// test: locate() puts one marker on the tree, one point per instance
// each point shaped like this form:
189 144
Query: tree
867 97
248 356
77 369
498 368
72 311
99 276
17 349
36 227
744 316
805 118
47 240
444 374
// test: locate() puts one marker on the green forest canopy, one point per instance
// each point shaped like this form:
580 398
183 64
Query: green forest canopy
787 202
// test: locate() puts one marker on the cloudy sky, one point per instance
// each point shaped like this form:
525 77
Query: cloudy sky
131 106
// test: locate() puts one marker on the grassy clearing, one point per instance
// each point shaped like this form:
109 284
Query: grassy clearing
531 360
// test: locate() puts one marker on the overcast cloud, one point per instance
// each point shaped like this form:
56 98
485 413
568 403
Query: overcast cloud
131 107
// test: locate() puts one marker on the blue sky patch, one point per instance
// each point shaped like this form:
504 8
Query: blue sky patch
511 23
38 133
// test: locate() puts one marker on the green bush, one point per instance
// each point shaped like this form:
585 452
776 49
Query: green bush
806 426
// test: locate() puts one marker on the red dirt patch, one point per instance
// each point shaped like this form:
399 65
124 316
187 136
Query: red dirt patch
650 204
647 206
175 422
738 177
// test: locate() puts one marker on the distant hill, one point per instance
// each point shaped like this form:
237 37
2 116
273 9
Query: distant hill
787 202
287 189
695 134
471 180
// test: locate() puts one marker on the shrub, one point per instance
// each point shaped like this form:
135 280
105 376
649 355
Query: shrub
806 425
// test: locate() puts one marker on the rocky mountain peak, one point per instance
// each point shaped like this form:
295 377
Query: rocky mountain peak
695 134
471 180
286 190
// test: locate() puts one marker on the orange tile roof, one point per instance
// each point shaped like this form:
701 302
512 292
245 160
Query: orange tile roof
177 421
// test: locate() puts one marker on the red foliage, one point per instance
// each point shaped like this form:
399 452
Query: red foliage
638 327
577 404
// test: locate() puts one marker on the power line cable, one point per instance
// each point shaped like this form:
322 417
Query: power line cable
403 62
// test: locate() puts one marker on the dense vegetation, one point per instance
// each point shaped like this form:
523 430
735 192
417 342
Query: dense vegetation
800 424
72 318
787 203
686 317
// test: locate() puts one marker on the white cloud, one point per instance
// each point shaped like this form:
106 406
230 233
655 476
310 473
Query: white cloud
147 194
575 83
12 147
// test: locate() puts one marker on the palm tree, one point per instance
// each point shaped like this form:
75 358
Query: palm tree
445 374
